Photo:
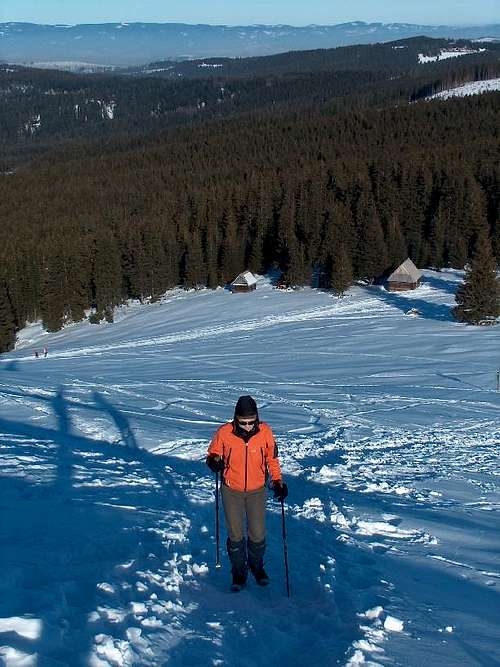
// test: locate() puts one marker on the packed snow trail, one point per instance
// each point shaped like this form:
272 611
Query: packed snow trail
115 544
388 428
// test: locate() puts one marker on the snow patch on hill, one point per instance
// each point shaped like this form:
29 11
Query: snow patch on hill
471 88
73 66
446 54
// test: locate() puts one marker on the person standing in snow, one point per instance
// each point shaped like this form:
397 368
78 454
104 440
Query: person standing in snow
244 452
45 352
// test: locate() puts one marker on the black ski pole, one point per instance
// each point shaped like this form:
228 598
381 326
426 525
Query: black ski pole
285 547
217 554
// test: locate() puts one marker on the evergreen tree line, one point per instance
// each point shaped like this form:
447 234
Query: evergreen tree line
331 196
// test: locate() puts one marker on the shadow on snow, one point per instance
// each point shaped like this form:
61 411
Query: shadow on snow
83 513
427 309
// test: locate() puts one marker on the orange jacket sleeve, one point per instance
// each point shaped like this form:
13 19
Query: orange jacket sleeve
273 463
216 446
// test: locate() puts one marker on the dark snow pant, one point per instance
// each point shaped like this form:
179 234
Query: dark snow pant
239 505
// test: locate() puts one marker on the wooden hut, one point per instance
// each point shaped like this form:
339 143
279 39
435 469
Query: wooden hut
405 277
245 282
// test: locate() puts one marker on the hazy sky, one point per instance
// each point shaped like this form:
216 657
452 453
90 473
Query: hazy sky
234 12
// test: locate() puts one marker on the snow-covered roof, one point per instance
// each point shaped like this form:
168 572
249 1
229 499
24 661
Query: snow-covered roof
406 272
245 278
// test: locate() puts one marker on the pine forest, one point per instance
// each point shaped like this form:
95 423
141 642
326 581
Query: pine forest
326 175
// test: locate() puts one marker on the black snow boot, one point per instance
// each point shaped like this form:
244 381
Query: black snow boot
239 582
256 561
261 577
239 568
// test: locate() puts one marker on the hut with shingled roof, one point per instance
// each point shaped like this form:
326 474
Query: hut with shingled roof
405 277
245 282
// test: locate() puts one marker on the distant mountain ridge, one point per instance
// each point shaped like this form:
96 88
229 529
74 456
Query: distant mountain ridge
138 43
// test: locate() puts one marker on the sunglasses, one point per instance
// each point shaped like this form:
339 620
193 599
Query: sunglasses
246 422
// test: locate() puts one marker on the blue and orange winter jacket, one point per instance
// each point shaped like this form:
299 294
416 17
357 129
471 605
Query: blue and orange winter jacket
246 463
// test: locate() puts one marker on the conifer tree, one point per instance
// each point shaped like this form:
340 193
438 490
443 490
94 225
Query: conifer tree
295 269
478 298
291 250
77 272
341 269
439 227
371 251
157 273
388 208
258 223
65 278
231 256
52 301
337 248
209 238
458 252
106 273
469 219
132 258
413 202
7 323
21 268
495 241
211 255
396 247
195 273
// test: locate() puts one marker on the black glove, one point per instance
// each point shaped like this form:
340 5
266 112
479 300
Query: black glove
215 463
280 490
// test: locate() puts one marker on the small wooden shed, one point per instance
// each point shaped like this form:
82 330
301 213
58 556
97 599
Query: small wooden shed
245 282
405 277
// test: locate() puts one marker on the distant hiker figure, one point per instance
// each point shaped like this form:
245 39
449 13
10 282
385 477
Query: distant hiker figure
35 352
244 451
45 352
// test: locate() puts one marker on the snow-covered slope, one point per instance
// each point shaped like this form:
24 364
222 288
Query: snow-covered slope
446 54
472 88
388 427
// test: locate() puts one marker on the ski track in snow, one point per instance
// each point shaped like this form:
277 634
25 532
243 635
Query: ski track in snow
391 455
216 331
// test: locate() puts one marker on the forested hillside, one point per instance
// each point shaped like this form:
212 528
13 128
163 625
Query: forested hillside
326 191
400 55
39 108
